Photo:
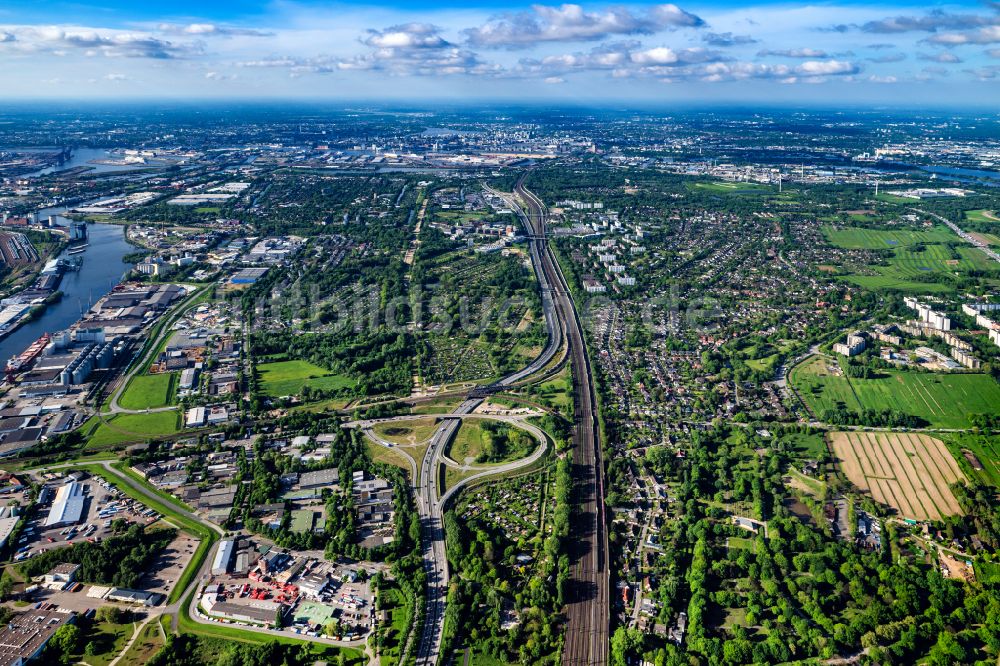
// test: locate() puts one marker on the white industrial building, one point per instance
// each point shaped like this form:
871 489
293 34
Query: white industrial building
67 507
222 557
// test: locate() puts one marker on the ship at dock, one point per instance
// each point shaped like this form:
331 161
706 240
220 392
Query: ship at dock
15 363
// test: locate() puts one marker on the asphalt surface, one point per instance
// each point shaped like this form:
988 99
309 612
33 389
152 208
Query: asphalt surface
430 497
587 602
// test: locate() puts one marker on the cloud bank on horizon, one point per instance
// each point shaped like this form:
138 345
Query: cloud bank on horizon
540 52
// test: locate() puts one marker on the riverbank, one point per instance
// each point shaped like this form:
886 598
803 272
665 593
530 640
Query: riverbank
101 269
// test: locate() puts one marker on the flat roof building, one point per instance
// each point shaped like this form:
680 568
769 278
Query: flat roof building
67 507
26 635
319 478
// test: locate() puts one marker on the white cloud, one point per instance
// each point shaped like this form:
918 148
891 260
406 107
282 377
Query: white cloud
210 30
571 23
407 36
727 39
793 53
62 40
988 35
942 57
827 68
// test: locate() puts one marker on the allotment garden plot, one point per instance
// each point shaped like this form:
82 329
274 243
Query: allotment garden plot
910 472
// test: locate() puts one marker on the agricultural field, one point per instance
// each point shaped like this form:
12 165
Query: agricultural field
910 472
860 238
943 400
989 239
282 378
149 391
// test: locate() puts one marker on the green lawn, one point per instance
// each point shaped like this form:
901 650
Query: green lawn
944 400
392 599
123 428
108 640
469 441
805 445
982 216
985 447
142 650
149 391
911 265
759 364
412 431
557 392
289 377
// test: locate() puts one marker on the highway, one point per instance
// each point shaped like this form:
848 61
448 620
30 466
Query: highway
587 603
429 497
964 235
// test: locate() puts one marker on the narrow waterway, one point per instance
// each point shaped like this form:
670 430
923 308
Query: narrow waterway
101 270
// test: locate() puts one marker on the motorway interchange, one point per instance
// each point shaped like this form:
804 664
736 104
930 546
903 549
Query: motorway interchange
587 608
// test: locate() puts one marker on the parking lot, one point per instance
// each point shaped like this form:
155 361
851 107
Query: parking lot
102 505
167 568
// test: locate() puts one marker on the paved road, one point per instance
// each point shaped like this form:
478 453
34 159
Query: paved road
985 247
587 602
165 331
206 565
430 498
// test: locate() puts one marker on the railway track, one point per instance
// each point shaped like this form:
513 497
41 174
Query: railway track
587 601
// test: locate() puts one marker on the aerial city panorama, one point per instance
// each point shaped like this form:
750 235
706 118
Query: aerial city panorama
483 333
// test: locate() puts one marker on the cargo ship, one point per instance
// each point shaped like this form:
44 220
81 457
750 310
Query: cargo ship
15 364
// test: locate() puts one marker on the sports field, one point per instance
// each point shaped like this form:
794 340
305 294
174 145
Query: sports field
727 187
860 238
908 471
289 377
944 400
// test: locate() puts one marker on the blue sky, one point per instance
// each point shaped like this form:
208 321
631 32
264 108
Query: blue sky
903 53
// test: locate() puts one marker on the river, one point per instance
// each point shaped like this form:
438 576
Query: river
82 157
102 269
